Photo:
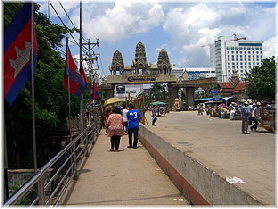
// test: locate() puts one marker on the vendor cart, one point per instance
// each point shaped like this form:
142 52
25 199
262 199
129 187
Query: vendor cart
268 119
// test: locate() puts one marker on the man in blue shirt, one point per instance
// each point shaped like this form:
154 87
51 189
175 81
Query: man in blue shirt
133 116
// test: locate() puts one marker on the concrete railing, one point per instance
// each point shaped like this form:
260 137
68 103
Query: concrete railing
199 184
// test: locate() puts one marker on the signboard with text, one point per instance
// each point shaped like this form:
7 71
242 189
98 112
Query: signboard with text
141 78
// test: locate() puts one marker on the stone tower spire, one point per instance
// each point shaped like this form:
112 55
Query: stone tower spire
117 63
163 62
140 54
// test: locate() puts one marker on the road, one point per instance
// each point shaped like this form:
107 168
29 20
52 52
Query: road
218 144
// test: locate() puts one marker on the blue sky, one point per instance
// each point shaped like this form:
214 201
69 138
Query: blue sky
182 28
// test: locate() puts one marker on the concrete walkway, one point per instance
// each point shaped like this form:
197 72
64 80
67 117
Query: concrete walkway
219 145
129 177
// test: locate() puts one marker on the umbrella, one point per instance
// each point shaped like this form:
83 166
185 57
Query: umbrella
111 101
157 103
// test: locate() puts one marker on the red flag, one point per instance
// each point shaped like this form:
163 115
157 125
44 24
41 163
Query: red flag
17 52
77 79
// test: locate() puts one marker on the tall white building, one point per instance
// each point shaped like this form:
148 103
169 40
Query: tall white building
241 56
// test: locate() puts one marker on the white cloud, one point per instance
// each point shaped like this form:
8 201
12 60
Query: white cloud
270 47
122 20
201 24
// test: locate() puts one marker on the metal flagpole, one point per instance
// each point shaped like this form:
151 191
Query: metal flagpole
81 102
68 85
33 92
6 180
48 9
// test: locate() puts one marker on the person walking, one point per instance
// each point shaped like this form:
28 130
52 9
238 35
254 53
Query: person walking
154 118
115 128
124 112
133 116
245 114
107 113
257 116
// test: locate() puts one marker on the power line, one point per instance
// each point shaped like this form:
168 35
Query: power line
65 26
101 66
69 18
66 13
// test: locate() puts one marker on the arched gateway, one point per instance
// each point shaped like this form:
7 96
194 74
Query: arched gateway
141 71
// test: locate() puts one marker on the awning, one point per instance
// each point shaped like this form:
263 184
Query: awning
227 98
204 99
158 103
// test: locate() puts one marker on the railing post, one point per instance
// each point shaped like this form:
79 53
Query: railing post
39 190
74 164
87 154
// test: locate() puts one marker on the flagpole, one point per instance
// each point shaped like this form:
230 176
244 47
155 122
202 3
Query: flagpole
68 85
33 93
81 102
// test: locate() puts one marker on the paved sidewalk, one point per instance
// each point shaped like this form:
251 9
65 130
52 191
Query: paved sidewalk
129 177
218 144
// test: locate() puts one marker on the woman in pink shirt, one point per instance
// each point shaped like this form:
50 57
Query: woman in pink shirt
115 128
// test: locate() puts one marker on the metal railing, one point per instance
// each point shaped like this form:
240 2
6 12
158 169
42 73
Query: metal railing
48 185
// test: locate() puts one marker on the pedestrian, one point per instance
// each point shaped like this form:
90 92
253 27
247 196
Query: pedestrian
107 113
124 112
133 116
154 118
245 114
115 128
257 116
232 112
198 109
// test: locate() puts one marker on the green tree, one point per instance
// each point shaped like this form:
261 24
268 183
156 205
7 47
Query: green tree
51 108
156 93
261 81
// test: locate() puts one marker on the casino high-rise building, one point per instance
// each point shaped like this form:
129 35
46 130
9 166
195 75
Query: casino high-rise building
240 56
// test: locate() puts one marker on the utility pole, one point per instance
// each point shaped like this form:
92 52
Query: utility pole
91 59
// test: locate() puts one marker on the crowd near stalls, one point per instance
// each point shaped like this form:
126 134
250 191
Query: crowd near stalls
232 110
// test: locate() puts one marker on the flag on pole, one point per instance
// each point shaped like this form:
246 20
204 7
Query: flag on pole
94 91
84 78
78 81
18 51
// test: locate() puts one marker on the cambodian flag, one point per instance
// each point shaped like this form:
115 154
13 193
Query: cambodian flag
78 81
18 51
94 91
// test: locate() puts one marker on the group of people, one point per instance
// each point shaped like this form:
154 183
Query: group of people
121 121
250 112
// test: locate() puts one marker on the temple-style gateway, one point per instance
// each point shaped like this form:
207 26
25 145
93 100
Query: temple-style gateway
141 71
140 65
